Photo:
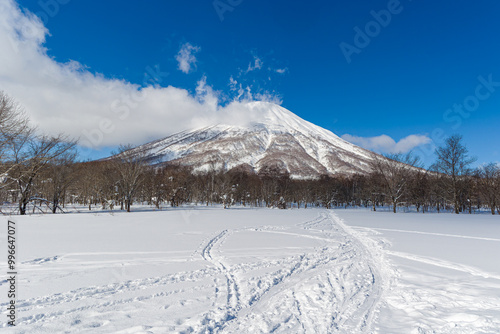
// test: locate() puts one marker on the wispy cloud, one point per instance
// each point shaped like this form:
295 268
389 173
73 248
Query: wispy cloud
385 144
233 84
248 93
281 70
255 65
186 57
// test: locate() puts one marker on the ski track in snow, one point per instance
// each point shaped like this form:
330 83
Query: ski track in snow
340 279
98 295
431 295
445 264
334 287
432 233
319 276
43 260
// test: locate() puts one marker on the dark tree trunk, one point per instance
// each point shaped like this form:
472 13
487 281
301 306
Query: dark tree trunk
22 208
55 203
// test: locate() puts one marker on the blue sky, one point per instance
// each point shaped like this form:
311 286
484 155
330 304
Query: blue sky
404 78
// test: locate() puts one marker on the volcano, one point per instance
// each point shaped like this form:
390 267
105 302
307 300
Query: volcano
273 137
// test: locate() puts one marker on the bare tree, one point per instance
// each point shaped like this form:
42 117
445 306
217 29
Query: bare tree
31 156
60 174
453 160
420 190
394 172
14 128
489 184
96 183
131 168
375 189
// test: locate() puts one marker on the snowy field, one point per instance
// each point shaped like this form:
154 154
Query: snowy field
209 270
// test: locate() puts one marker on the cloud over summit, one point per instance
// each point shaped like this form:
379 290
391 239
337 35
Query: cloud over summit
101 111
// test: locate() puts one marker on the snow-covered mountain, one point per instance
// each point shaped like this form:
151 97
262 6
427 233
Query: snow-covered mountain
272 136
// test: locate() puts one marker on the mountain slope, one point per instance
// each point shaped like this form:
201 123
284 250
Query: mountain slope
271 137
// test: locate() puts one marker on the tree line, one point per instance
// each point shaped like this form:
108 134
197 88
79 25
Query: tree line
41 174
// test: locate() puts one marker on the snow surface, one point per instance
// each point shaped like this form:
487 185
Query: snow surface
204 270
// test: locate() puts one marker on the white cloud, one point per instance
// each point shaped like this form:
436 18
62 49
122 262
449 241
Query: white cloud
100 111
257 64
282 70
385 144
186 58
233 84
69 98
243 94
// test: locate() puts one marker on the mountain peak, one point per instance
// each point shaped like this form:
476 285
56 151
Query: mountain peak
258 135
275 118
271 114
